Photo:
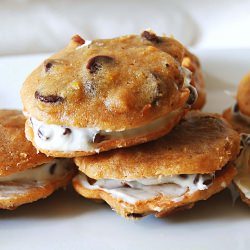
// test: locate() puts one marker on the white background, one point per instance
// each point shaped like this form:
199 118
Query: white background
28 26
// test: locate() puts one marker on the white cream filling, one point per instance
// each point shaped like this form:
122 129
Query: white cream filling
55 137
242 179
44 173
131 191
21 182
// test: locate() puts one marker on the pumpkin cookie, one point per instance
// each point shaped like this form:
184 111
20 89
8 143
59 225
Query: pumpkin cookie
191 163
25 174
111 93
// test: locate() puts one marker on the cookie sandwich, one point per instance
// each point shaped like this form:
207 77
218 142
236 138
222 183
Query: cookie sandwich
25 174
105 94
239 116
191 163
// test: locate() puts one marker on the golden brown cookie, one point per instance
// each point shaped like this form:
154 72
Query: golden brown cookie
201 143
33 184
109 93
25 174
16 153
239 117
161 205
191 163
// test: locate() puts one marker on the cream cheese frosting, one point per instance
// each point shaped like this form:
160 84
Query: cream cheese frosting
21 182
69 139
131 191
43 173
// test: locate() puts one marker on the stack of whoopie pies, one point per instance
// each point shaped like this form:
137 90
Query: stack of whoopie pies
121 108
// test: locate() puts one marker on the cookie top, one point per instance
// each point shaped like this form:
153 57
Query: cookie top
111 84
243 95
201 143
16 153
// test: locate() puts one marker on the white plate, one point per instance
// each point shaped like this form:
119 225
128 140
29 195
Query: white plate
67 221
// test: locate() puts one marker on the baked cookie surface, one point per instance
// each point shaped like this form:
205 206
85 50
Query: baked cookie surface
130 80
16 153
112 93
25 174
200 143
191 163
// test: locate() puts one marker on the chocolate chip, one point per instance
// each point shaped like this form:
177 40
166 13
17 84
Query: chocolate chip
52 169
150 37
96 63
192 96
48 98
41 135
236 108
183 176
207 182
49 63
48 66
125 185
135 215
91 181
196 179
67 131
99 138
